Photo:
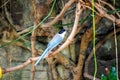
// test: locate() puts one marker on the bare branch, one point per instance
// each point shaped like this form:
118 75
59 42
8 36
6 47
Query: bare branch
109 6
19 66
4 4
59 16
33 40
101 11
110 17
24 31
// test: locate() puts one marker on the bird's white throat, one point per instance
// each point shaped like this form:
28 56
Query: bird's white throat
63 34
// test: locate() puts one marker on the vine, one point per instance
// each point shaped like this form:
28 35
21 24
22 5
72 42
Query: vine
94 39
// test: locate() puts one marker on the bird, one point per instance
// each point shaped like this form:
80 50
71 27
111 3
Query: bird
55 41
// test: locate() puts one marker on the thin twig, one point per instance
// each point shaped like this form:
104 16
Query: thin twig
109 6
116 49
33 39
104 14
30 60
25 31
59 16
4 4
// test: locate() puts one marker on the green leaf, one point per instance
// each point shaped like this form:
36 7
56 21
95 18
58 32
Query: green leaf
103 77
112 74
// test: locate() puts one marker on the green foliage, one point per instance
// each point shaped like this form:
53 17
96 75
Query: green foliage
103 77
112 75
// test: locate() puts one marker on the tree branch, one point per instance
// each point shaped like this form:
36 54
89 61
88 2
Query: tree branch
33 39
101 12
109 6
86 38
30 60
59 16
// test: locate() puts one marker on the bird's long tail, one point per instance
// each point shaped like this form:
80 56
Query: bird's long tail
42 56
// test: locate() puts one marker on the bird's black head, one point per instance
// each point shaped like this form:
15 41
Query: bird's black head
61 31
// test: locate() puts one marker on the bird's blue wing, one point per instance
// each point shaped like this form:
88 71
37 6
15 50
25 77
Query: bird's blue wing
57 39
